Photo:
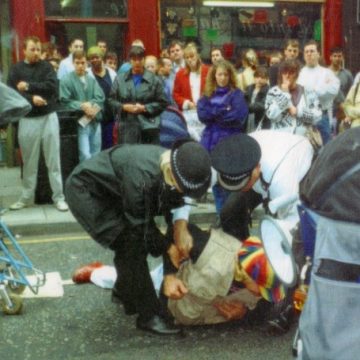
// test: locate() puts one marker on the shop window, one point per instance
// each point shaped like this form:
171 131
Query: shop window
86 8
235 29
62 33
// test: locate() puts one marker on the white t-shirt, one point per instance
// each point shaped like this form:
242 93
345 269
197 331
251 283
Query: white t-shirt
285 160
195 86
321 80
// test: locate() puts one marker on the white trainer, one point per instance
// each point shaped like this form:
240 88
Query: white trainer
61 205
18 205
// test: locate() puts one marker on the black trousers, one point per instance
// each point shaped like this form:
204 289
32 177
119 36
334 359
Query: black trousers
131 133
134 285
235 216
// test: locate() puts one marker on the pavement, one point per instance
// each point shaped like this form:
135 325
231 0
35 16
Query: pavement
46 219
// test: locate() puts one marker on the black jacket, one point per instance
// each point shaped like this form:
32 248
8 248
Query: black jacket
120 189
149 93
258 106
332 185
42 81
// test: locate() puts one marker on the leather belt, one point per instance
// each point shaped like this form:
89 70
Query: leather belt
336 270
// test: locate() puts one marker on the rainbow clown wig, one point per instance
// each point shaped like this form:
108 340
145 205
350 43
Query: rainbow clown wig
254 262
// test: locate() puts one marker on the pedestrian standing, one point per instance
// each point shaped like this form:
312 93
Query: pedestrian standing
35 79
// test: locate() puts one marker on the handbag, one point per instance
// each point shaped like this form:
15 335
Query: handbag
314 136
149 123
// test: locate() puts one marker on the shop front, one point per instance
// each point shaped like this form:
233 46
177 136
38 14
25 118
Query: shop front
262 25
117 22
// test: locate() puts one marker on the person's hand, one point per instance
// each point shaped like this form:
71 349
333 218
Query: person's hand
39 101
192 106
347 120
231 309
139 108
285 84
22 86
175 255
134 108
174 288
292 110
182 238
86 107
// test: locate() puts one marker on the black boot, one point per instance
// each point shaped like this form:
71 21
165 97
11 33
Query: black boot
157 325
129 308
282 322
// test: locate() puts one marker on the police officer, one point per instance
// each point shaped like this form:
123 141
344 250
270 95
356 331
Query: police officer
115 196
264 167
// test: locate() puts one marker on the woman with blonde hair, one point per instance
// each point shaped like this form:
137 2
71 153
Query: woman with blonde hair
249 62
223 110
189 85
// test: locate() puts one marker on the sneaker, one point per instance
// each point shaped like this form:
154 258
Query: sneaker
18 205
61 205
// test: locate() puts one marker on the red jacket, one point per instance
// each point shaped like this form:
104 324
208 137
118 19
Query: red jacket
182 89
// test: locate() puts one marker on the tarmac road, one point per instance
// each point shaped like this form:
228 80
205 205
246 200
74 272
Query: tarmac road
85 324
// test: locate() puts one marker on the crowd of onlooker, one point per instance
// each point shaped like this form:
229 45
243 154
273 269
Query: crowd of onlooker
298 99
123 104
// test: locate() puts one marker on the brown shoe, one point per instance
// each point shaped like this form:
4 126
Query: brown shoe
82 274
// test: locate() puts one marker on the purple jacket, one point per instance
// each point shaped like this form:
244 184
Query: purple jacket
224 114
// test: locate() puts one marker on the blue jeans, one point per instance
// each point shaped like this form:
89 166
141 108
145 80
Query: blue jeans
324 127
220 196
89 140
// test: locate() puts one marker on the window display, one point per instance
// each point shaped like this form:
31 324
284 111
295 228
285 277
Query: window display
238 28
86 8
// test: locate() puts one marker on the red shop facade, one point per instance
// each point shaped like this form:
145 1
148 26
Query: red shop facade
120 21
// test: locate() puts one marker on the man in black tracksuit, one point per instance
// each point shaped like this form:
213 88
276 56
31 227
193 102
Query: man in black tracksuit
115 196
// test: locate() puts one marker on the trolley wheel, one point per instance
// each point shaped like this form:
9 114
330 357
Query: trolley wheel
16 288
17 304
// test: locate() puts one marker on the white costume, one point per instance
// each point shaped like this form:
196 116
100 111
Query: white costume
285 159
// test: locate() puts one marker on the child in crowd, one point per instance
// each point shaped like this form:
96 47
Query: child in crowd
111 60
275 58
255 96
151 63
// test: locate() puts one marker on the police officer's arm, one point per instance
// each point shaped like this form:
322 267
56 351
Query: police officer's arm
182 237
173 287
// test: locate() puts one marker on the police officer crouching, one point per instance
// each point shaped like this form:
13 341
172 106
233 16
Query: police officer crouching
258 168
115 196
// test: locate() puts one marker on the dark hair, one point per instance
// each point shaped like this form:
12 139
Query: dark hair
336 50
161 62
174 43
74 39
136 51
291 42
34 39
111 55
216 48
262 72
313 42
289 66
79 54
